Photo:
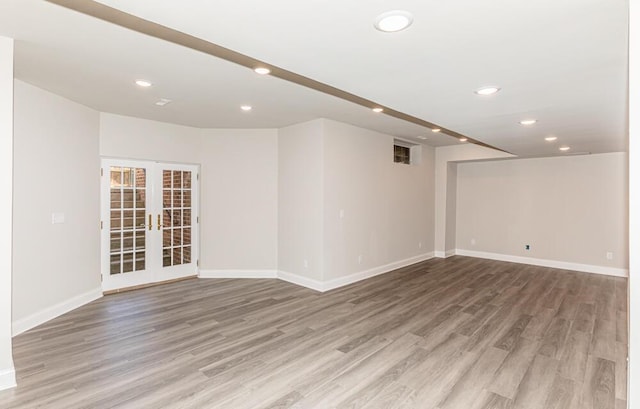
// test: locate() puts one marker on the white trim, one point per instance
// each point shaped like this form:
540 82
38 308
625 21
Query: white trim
301 281
633 393
311 283
444 254
7 110
363 275
33 320
7 378
587 268
323 286
238 274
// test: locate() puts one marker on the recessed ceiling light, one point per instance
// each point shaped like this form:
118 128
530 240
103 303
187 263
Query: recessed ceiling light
422 137
436 130
564 148
377 110
246 107
463 139
143 83
490 90
262 70
550 138
528 121
162 102
392 21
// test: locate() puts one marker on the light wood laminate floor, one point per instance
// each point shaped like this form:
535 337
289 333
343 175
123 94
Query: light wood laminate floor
460 333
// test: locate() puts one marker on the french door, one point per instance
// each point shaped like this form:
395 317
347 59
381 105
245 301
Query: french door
149 219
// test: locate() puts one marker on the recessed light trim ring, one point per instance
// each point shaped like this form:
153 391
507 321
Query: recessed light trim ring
487 90
143 83
393 21
262 70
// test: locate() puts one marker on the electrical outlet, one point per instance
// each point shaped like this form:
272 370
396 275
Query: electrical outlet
419 244
473 242
360 259
609 255
306 263
527 247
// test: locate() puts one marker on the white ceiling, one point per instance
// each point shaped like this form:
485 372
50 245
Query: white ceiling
561 62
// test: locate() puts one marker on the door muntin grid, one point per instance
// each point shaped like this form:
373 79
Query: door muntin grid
177 212
127 219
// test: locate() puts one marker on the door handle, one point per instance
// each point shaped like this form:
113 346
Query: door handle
149 225
150 222
160 225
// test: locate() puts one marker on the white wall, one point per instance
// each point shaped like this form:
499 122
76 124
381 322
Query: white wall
571 209
56 169
451 201
7 373
634 205
376 212
135 138
346 210
301 200
239 188
445 207
238 185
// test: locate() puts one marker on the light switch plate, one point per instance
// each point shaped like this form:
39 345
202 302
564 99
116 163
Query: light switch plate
57 218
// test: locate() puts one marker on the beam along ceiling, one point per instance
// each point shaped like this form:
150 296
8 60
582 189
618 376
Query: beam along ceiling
561 63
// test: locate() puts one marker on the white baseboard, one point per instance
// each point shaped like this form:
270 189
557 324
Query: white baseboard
301 281
363 275
7 378
323 286
238 274
587 268
444 254
311 283
33 320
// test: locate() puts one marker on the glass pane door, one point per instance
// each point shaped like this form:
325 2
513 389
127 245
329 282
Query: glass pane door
149 222
178 218
127 219
176 209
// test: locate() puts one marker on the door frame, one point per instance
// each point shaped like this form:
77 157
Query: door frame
149 276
